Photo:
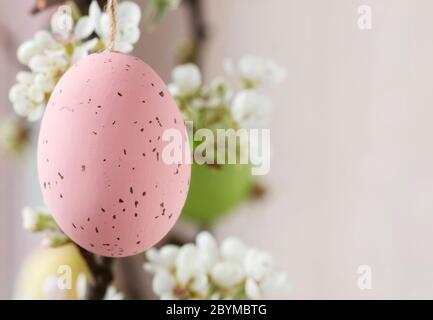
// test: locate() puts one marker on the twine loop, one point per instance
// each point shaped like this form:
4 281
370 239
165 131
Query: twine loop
112 13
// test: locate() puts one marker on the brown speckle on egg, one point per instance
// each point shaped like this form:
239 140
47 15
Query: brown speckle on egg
159 122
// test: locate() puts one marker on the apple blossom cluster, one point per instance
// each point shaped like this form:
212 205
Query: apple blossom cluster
222 103
205 270
50 53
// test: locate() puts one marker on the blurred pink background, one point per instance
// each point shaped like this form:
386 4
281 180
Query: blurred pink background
351 179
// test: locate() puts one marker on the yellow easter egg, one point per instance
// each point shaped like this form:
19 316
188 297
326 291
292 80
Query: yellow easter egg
44 265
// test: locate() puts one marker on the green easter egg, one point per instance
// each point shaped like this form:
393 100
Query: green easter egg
215 189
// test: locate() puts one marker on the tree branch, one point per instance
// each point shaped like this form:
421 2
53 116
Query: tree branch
199 28
102 274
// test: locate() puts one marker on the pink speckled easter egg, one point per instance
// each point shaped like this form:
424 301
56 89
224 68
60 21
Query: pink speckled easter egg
100 155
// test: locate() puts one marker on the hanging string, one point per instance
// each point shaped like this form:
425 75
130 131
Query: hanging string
112 13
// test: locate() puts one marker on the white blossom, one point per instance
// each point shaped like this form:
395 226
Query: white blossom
218 93
257 71
252 289
49 54
258 264
128 20
227 274
205 270
113 294
186 78
233 249
27 96
30 218
251 109
220 103
163 282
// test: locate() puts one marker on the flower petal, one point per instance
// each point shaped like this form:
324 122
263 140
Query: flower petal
123 46
129 12
36 113
94 11
227 274
130 33
27 50
208 247
233 249
187 77
168 255
258 264
163 282
62 24
84 27
252 289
